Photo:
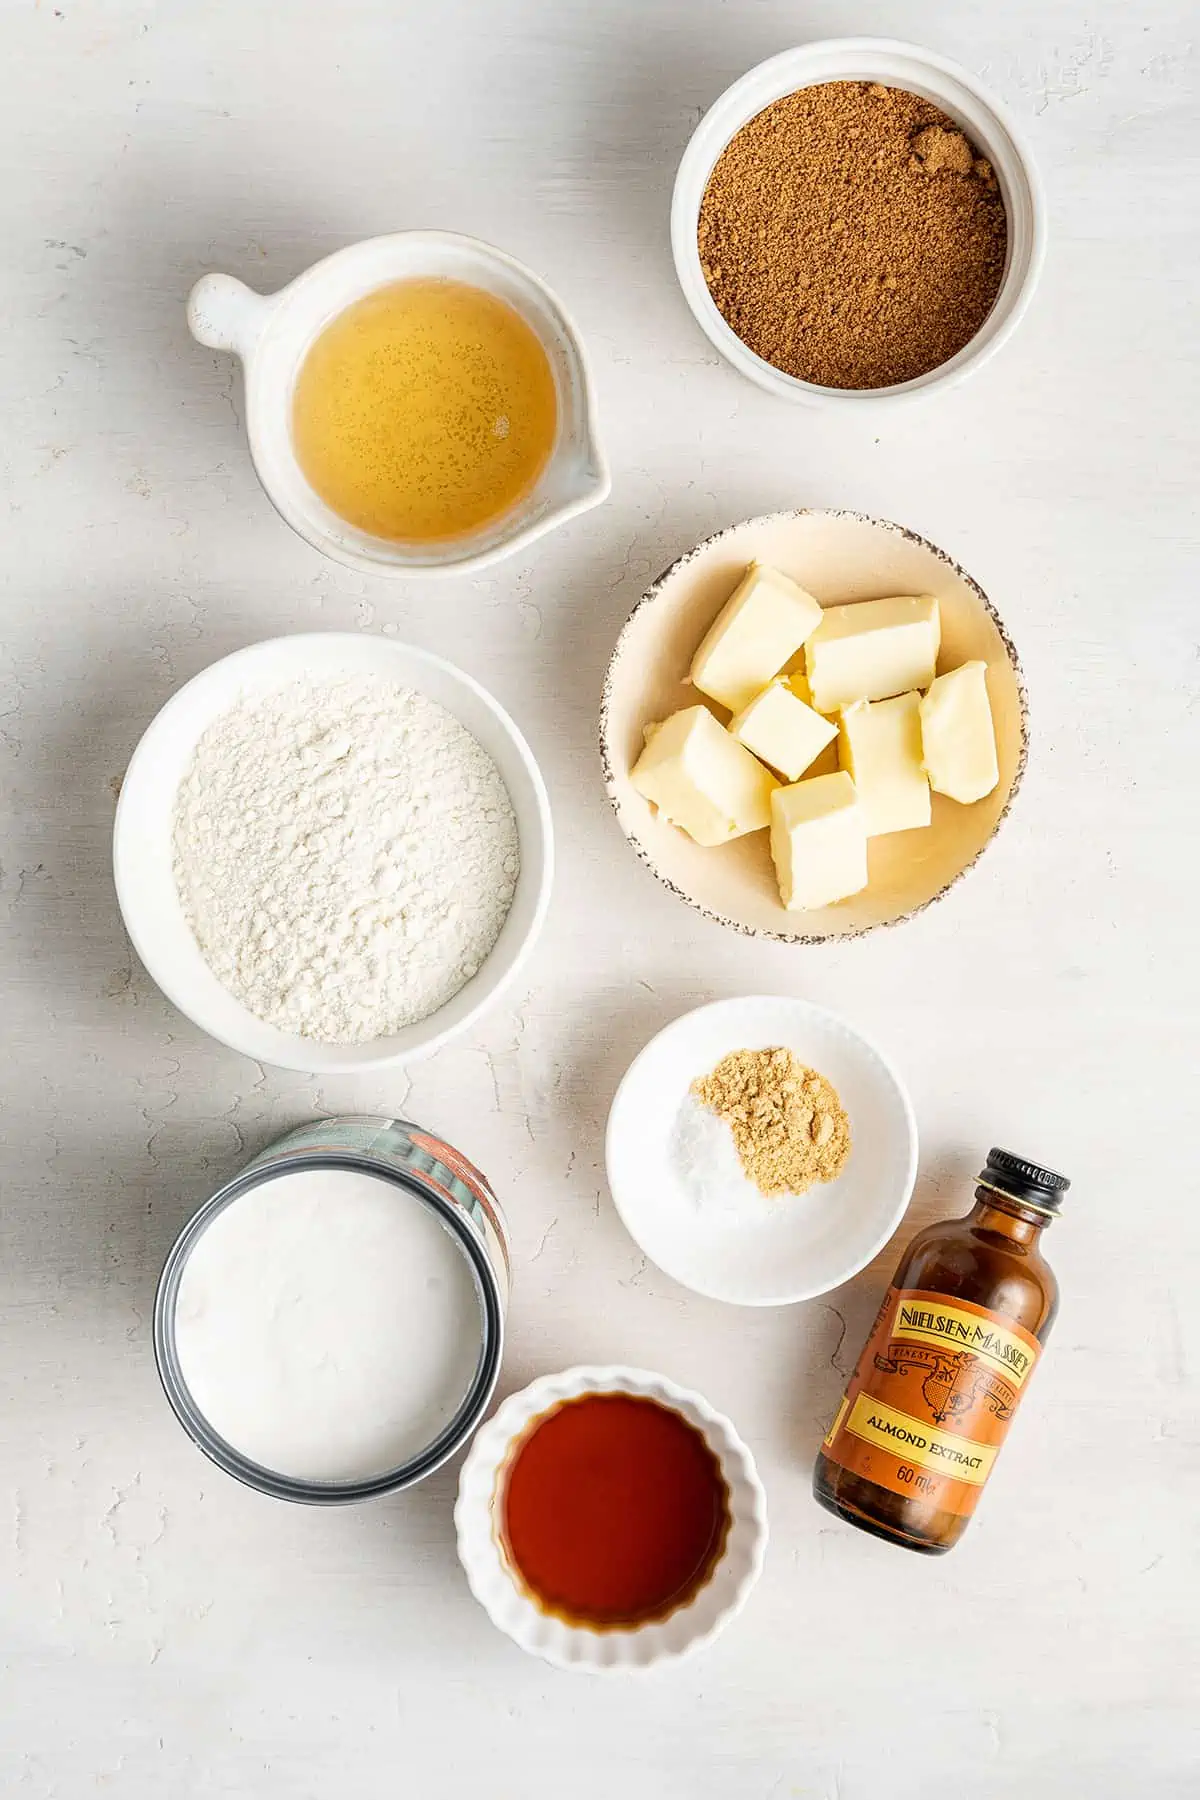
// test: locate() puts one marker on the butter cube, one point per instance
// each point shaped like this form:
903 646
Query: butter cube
879 745
818 841
957 734
872 649
760 628
782 730
703 780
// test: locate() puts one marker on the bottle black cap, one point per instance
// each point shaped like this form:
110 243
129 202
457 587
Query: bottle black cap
1024 1180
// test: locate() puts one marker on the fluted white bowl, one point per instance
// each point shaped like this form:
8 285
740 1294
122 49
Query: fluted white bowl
495 1584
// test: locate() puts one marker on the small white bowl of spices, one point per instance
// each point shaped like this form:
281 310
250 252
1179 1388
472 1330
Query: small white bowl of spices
857 220
332 851
761 1151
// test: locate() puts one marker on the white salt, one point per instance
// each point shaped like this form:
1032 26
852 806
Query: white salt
709 1170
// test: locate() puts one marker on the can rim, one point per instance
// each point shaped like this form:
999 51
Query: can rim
225 1455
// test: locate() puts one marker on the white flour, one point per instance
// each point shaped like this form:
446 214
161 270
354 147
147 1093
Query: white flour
346 854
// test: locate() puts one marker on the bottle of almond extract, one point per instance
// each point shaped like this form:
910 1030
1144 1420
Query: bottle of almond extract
946 1365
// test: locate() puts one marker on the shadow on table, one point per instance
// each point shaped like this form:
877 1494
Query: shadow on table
139 1116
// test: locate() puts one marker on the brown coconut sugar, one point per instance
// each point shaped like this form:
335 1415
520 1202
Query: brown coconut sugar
788 1124
851 235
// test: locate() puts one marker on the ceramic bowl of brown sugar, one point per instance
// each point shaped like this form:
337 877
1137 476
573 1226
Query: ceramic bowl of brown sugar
857 220
838 558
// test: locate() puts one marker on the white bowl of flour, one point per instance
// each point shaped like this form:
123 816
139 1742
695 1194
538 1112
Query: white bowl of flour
332 851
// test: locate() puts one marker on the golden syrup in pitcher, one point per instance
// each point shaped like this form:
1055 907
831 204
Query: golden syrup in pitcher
425 411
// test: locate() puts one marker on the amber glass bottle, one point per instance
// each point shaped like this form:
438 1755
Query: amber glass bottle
948 1360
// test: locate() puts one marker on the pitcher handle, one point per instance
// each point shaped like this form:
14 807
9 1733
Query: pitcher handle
225 314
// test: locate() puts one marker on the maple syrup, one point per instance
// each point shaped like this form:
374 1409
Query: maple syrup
615 1511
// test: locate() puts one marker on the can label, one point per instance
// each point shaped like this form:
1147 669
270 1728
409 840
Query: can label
404 1149
932 1397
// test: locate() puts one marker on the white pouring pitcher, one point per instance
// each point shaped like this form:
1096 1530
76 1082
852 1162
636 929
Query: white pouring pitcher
271 333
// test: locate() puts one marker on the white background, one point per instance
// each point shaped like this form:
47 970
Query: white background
162 1632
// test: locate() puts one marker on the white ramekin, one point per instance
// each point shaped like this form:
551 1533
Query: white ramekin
143 859
985 121
491 1576
271 333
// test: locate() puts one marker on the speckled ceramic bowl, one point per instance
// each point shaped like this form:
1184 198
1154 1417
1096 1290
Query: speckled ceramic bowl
837 556
497 1586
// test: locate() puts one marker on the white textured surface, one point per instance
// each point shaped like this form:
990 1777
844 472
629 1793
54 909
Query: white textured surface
165 1633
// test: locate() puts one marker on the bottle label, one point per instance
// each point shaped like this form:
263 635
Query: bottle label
932 1397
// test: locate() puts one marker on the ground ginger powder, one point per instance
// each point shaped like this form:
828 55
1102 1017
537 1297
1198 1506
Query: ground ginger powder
789 1126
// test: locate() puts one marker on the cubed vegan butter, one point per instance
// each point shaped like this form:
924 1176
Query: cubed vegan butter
818 841
872 649
782 730
703 780
957 735
760 628
879 745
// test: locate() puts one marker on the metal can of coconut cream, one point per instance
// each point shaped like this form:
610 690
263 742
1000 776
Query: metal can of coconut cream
329 1326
